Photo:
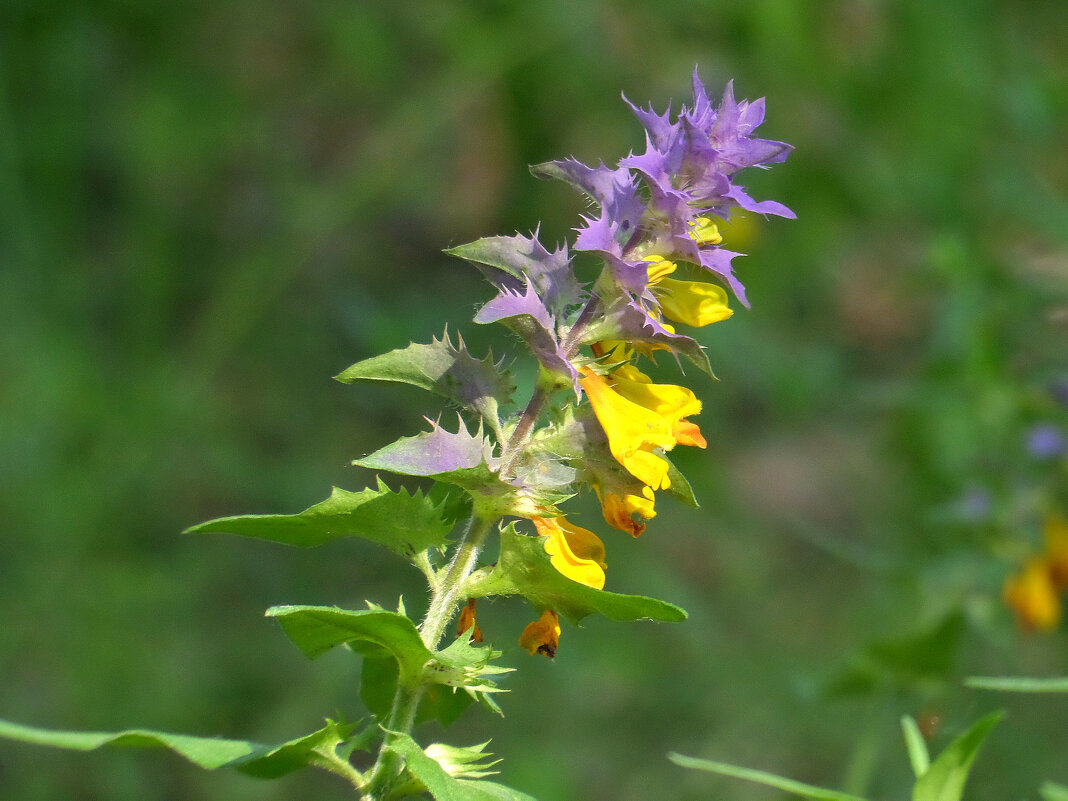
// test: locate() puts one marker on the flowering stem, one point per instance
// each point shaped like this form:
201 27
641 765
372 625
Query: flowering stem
521 433
445 598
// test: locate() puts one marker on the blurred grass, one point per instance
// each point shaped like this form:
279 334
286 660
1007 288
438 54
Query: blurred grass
209 209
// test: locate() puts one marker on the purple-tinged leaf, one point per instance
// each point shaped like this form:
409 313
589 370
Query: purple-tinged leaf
525 314
614 190
464 460
628 321
436 453
511 262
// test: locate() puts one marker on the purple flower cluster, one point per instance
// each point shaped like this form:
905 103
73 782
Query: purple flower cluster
651 204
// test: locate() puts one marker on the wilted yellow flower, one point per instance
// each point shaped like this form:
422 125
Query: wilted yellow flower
619 510
576 552
467 621
543 635
1031 594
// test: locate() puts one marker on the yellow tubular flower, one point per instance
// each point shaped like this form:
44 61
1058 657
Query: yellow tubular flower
632 430
616 349
1033 597
658 268
543 635
696 303
574 552
705 232
668 400
1056 555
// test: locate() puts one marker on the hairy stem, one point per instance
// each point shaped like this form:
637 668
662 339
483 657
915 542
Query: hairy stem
446 596
444 600
446 588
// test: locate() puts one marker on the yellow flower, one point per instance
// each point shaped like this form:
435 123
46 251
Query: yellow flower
658 268
1032 595
696 303
632 430
574 551
668 400
543 635
705 232
638 416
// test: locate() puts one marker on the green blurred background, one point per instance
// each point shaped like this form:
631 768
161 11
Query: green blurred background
208 209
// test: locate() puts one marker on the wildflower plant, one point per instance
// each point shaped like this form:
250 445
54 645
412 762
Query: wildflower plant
500 473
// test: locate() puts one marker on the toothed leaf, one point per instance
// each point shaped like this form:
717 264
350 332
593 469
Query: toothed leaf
378 686
626 320
317 629
406 524
436 453
509 262
462 459
440 367
525 314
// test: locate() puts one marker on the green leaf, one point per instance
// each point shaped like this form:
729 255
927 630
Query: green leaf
445 787
944 780
523 568
1053 792
760 777
441 368
210 753
1018 684
917 747
406 524
317 629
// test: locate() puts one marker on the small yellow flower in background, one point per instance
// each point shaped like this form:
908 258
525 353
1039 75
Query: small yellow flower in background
543 635
467 621
1055 531
1031 594
574 551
